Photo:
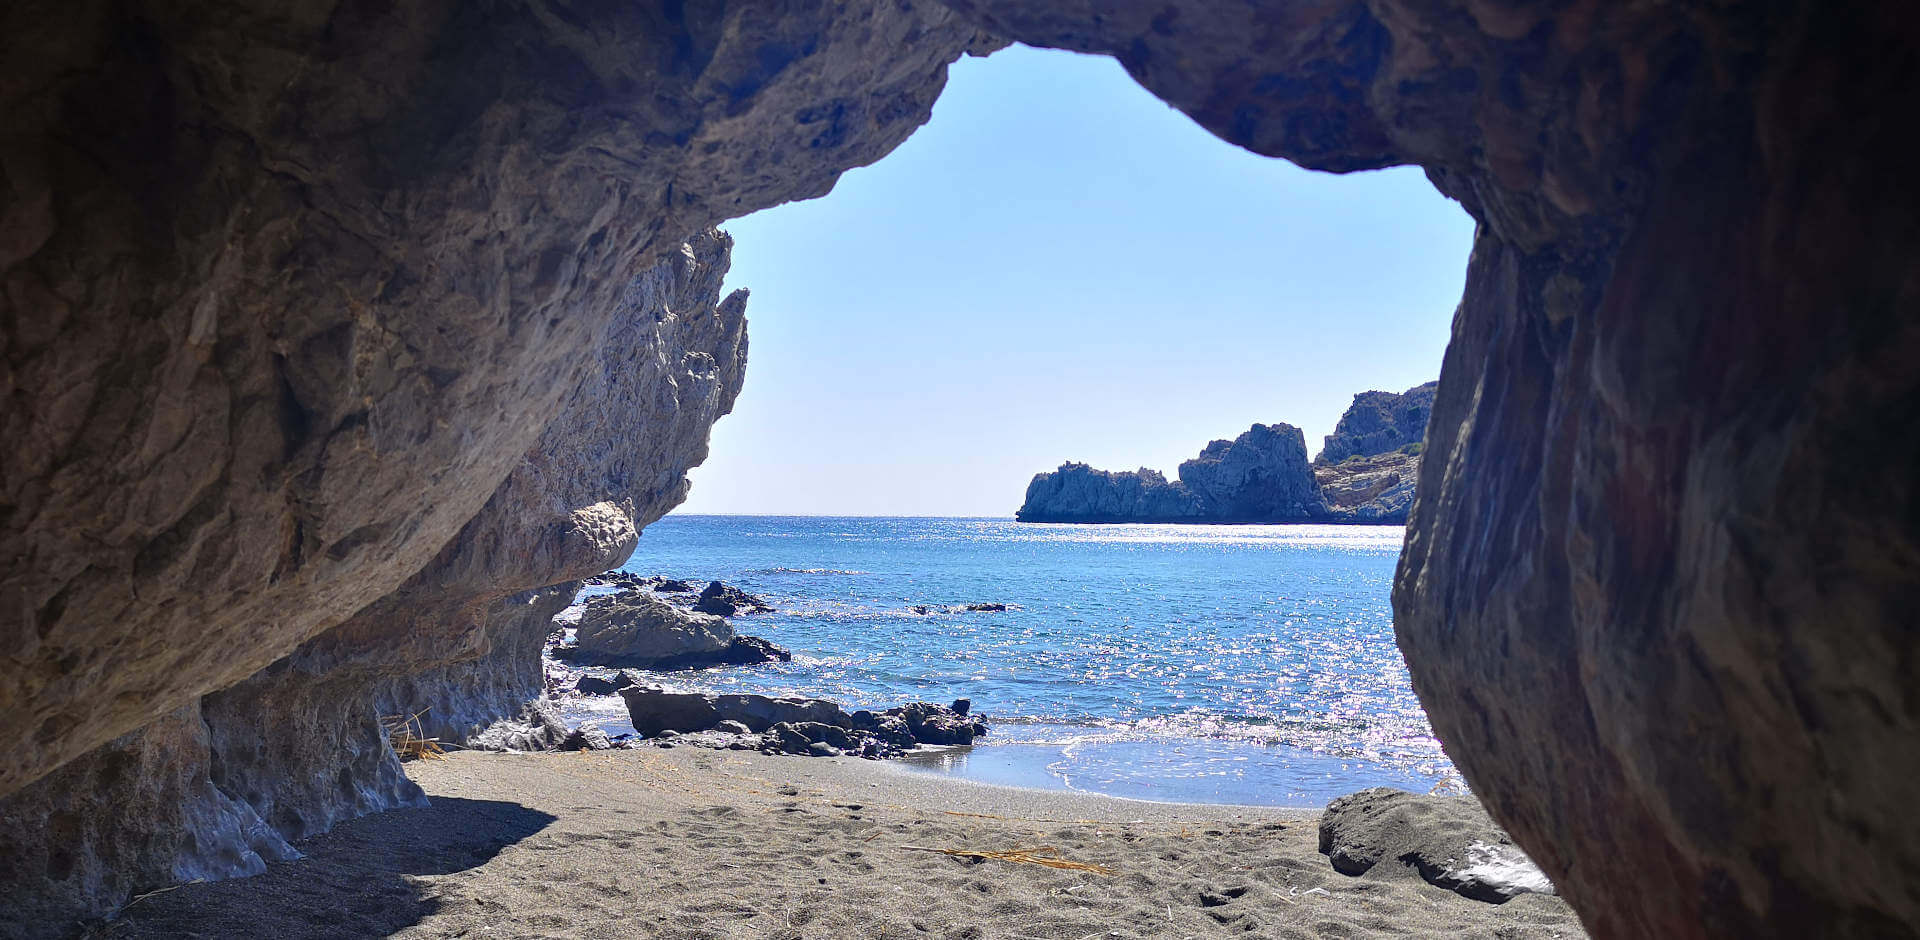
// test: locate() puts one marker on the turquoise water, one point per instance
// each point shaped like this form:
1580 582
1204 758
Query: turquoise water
1240 664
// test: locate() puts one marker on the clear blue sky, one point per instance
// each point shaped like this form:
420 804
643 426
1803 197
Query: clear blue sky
1059 266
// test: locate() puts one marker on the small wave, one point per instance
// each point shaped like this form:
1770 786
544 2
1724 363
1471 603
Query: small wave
1345 739
806 571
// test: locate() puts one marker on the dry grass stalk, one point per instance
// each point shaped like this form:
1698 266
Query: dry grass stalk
404 734
1045 855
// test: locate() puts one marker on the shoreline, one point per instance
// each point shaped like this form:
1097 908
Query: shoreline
689 843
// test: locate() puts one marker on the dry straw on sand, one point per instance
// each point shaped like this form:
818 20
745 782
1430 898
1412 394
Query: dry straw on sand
1045 855
404 734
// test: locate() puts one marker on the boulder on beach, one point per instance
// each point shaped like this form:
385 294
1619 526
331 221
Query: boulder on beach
1447 840
726 600
794 725
654 709
634 628
587 738
537 727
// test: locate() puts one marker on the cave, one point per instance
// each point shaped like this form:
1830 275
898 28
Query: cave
309 312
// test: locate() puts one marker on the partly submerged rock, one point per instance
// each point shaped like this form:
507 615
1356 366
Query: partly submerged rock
752 650
1447 840
600 685
622 579
636 628
725 600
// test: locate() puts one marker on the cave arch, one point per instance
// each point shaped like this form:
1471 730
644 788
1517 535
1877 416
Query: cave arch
1672 467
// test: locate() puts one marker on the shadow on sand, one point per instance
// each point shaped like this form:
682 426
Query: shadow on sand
353 881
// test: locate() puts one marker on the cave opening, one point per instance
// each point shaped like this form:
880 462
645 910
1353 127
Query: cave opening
319 323
1058 266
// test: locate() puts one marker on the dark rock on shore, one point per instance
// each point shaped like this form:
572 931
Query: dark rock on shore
793 725
625 580
1260 476
635 628
1447 840
595 685
725 601
654 710
673 586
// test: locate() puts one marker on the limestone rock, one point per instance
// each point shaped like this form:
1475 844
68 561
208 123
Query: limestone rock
587 738
1379 423
286 295
536 727
1078 493
638 629
1260 476
63 839
1446 840
300 743
1658 586
1376 489
290 293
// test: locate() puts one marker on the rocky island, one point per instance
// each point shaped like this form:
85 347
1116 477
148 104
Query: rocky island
1364 474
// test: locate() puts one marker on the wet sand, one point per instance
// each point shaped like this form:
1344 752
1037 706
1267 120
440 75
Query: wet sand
690 843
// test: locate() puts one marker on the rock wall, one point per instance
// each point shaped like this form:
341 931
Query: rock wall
1260 476
1378 423
1658 582
288 290
287 293
1368 466
1372 490
299 746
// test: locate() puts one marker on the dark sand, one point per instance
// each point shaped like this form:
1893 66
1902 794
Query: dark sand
689 843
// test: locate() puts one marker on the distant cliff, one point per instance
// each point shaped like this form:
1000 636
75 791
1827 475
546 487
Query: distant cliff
1379 422
1261 476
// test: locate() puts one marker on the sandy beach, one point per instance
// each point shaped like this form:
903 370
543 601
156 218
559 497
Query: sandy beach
692 843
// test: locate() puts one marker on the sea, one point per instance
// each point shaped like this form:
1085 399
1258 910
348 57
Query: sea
1244 664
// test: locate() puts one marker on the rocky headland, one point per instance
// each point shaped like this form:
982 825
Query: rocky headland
1365 474
340 339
